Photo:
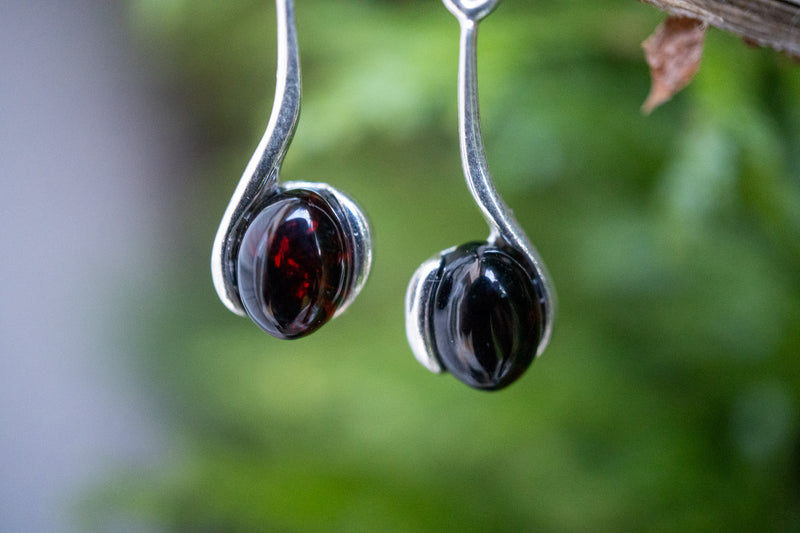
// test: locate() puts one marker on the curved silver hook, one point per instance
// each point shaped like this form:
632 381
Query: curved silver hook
504 226
261 173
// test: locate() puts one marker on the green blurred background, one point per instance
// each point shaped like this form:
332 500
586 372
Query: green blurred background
669 397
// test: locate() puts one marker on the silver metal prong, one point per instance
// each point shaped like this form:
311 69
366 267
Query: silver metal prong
261 173
418 300
503 225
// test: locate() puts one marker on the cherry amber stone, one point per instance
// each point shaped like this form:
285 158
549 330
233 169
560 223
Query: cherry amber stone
294 264
488 315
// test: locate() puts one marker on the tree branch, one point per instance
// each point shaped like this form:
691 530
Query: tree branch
773 23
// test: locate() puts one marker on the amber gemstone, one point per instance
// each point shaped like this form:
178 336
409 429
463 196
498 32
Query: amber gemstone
294 264
488 315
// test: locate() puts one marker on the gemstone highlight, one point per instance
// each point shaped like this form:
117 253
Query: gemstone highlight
295 264
488 314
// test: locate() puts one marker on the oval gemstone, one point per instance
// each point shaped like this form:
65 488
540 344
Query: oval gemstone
293 264
488 315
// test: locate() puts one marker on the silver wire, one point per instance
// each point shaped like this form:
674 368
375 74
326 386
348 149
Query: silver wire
261 174
503 225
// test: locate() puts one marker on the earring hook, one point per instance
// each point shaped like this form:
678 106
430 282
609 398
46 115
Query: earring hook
473 157
482 311
262 170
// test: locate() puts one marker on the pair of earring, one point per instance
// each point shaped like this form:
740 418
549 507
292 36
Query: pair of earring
293 256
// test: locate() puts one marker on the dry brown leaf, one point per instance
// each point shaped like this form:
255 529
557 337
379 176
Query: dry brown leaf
673 53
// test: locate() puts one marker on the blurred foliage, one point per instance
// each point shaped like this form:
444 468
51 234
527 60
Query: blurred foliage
669 398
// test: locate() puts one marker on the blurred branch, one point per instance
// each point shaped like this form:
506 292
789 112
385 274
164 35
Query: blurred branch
774 23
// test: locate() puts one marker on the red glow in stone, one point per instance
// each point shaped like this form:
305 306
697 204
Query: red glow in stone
294 265
284 247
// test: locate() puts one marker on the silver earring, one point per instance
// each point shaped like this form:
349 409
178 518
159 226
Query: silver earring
484 310
290 256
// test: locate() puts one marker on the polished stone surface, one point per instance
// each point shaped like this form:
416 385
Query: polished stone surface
488 315
294 263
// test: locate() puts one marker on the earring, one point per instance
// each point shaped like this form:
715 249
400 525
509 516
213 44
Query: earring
290 256
484 310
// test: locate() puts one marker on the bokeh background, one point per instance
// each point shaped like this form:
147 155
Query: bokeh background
131 400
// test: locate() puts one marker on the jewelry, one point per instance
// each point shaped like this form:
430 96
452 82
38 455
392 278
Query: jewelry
484 310
291 256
